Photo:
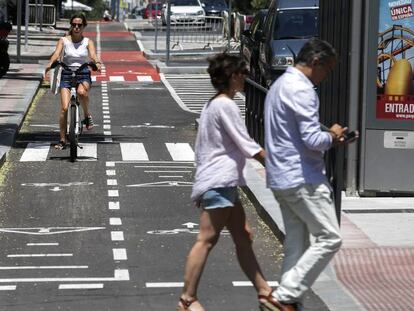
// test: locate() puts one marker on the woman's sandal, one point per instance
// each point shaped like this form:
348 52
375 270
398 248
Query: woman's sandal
270 303
60 145
185 304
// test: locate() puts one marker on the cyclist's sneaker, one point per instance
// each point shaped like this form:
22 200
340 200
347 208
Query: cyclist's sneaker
88 122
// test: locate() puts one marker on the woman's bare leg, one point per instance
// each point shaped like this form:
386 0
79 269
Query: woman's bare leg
83 96
64 104
241 235
211 223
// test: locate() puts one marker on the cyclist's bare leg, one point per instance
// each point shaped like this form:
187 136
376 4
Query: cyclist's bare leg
64 104
83 96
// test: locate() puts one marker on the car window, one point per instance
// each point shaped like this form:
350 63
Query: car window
292 24
185 2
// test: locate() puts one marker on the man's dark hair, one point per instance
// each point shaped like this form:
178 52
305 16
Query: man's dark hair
221 67
315 48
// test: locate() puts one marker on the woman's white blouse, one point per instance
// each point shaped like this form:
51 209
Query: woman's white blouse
222 146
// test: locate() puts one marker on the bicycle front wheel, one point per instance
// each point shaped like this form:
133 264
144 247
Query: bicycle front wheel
72 134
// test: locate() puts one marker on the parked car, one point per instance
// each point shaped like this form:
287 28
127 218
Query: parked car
153 9
184 12
289 24
137 11
250 44
214 7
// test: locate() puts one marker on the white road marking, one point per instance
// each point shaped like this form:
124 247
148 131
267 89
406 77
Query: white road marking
113 205
106 121
106 127
42 267
114 221
170 176
163 166
163 184
54 184
106 117
112 182
144 78
117 236
35 152
89 152
164 284
133 152
8 287
248 283
38 255
107 133
180 151
42 244
119 275
116 78
110 172
110 164
120 254
81 286
167 171
113 193
108 140
49 230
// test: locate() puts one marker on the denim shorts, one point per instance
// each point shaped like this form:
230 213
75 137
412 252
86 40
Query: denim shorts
66 78
219 198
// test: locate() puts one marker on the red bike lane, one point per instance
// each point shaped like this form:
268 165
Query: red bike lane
119 64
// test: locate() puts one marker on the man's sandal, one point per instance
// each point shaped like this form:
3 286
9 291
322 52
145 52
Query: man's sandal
185 304
270 303
60 145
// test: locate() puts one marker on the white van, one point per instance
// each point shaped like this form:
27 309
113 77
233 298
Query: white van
184 12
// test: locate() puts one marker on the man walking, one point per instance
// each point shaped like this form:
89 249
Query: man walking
295 170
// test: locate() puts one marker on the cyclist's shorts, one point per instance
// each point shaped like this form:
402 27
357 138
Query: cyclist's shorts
66 78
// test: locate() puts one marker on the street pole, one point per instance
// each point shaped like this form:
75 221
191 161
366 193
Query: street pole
229 27
167 60
26 24
19 28
156 27
41 15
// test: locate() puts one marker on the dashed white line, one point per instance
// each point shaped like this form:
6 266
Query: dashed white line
117 236
8 287
42 244
114 221
38 255
112 182
113 205
113 193
120 254
81 286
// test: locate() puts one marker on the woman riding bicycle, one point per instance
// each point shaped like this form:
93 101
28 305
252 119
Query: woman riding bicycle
74 50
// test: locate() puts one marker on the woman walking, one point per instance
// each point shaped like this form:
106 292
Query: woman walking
222 146
74 50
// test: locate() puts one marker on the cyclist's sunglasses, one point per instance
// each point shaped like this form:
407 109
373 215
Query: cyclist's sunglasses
74 25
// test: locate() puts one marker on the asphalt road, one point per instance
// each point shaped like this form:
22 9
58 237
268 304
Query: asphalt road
112 230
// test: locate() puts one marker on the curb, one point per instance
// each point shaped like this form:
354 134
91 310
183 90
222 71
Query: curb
26 103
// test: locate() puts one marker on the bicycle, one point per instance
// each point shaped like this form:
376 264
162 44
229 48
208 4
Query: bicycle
74 122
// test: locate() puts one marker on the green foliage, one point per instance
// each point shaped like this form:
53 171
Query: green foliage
98 8
249 6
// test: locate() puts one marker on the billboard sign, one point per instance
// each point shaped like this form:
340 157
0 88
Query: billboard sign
395 59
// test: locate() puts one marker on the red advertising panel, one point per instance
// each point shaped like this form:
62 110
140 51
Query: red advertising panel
395 87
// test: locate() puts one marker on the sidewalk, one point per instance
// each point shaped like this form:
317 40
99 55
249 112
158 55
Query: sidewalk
374 270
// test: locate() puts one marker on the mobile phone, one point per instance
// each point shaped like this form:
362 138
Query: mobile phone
351 135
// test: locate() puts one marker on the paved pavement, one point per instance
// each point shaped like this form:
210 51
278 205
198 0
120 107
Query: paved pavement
374 269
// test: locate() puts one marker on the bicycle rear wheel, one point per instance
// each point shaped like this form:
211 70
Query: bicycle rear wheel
72 134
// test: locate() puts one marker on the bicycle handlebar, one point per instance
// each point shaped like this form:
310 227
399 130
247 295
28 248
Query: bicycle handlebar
89 64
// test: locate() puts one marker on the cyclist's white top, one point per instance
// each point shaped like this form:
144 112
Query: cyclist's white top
75 54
